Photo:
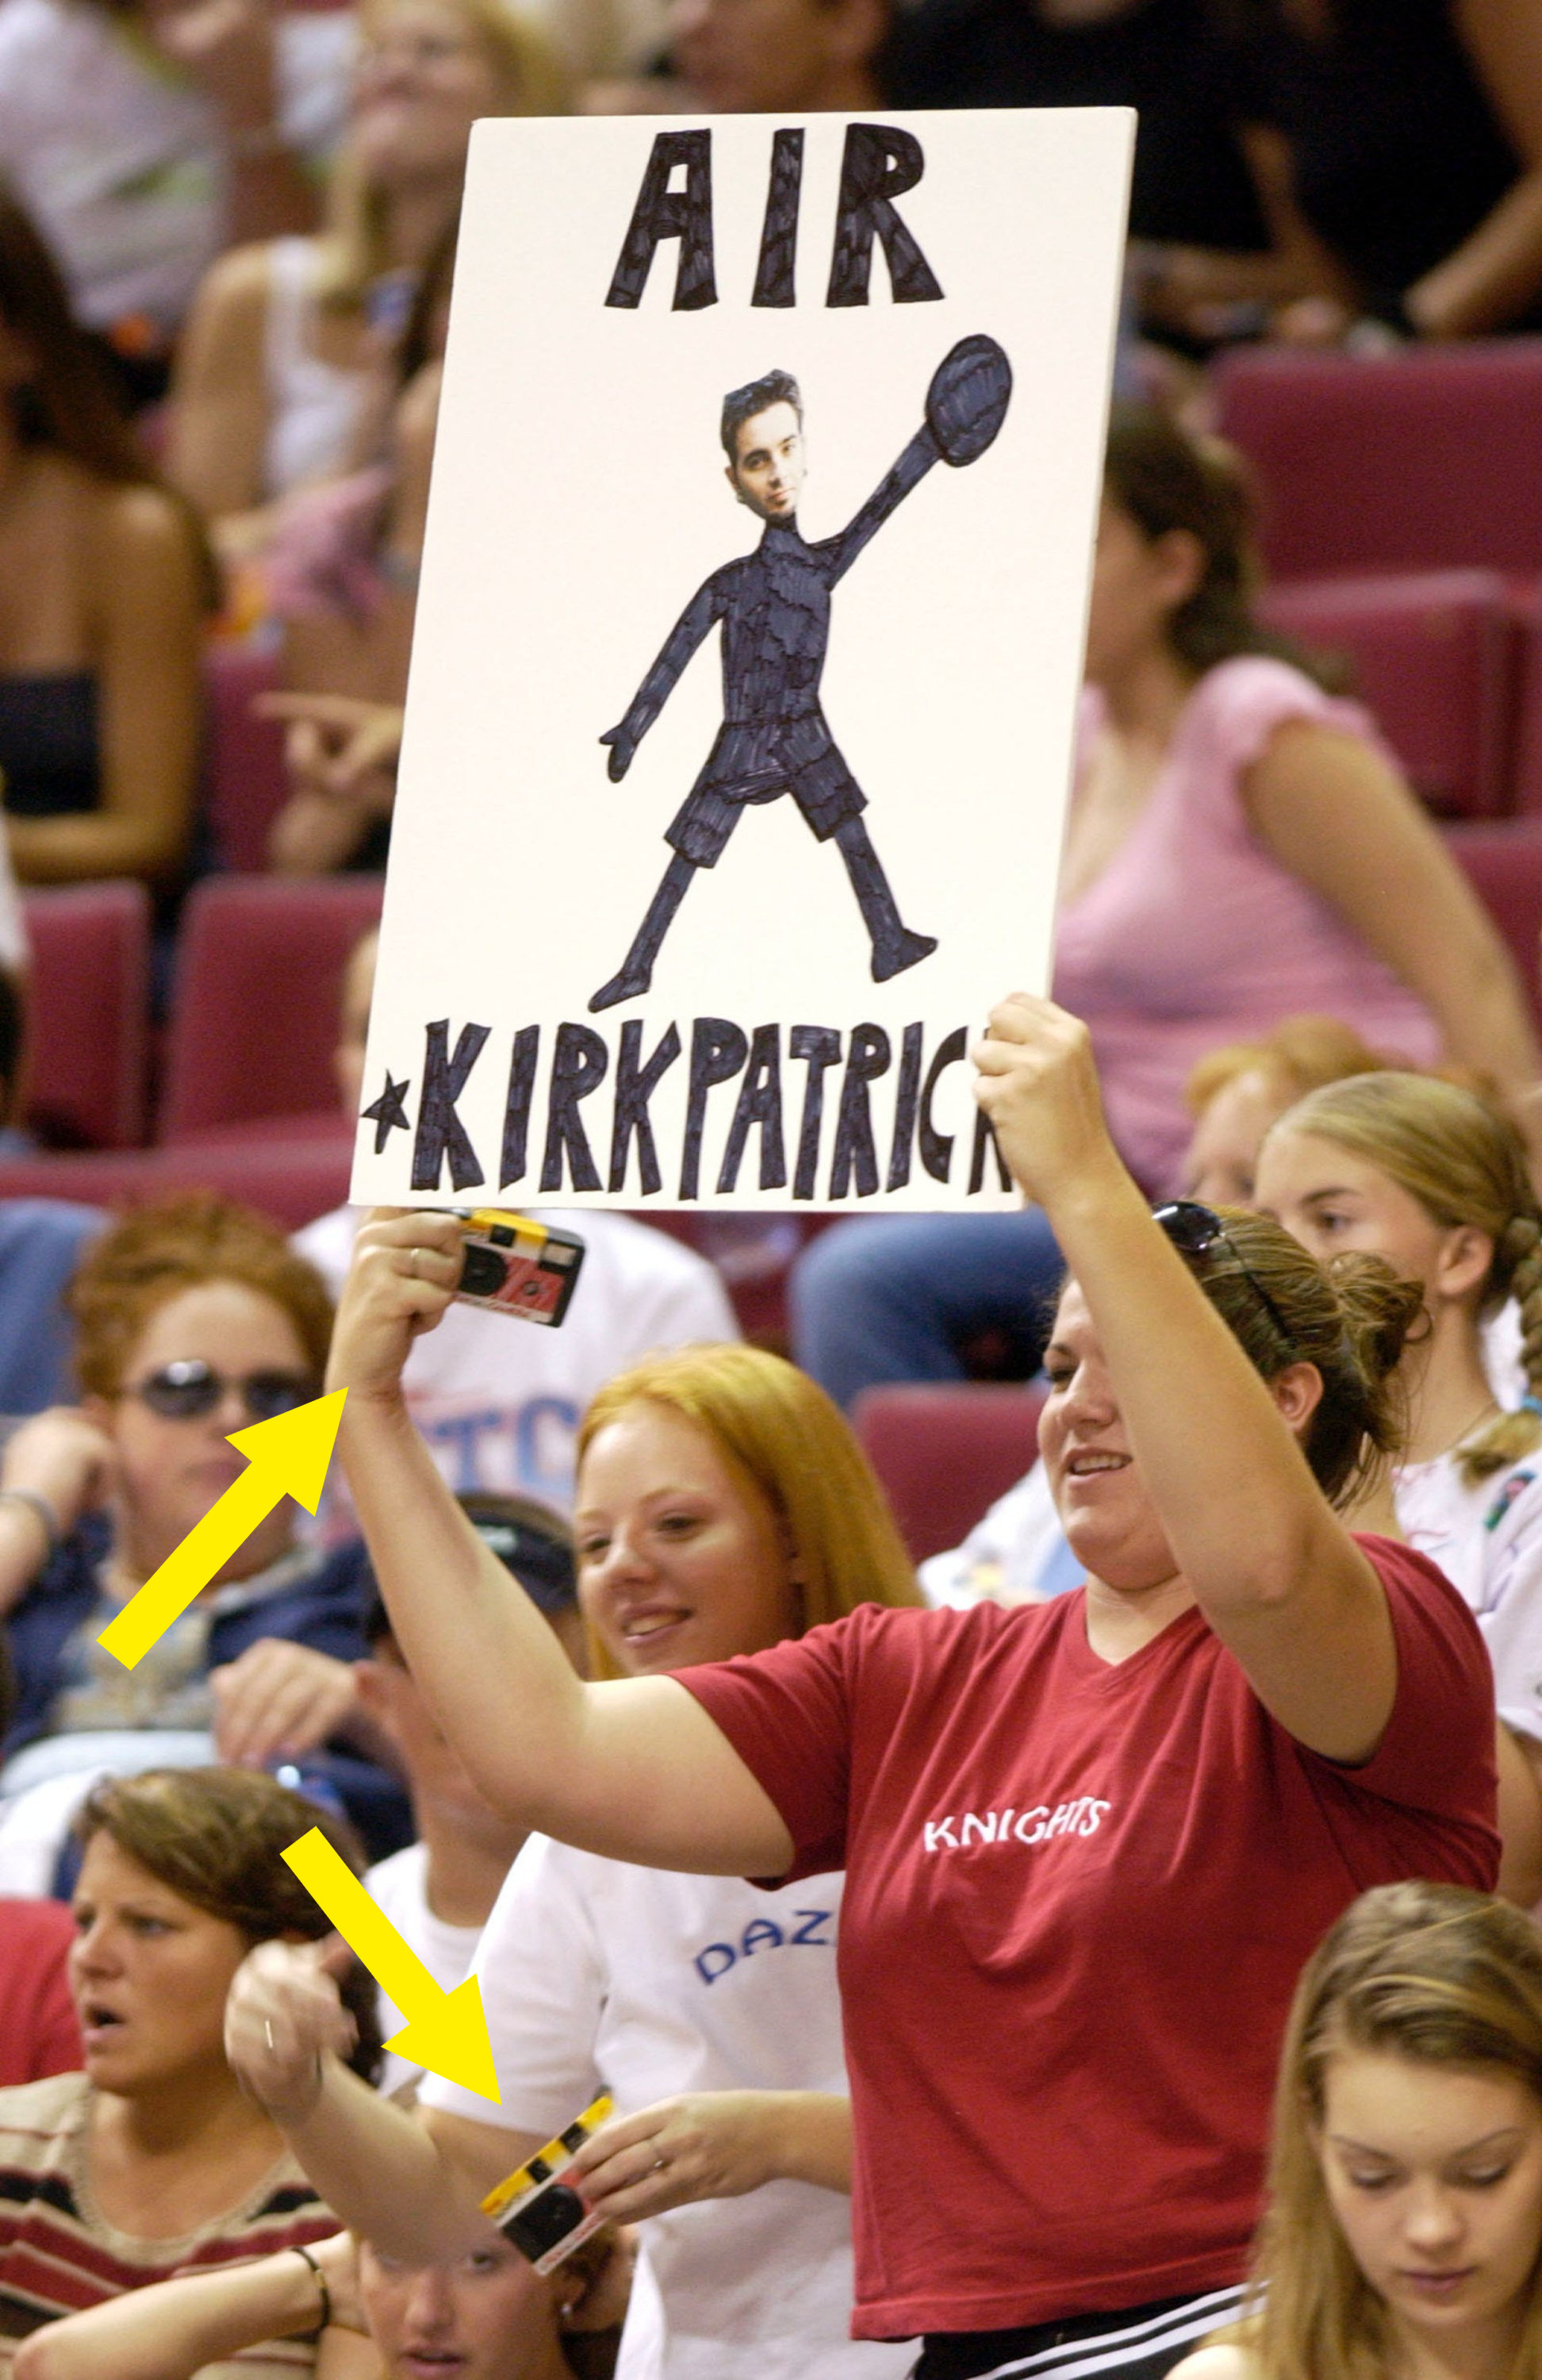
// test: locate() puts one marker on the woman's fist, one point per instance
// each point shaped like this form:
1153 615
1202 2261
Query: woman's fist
405 1268
1038 1084
283 2015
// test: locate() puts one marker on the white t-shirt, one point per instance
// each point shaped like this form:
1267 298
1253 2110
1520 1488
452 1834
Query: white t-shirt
592 1970
119 161
1487 1539
498 1400
398 1886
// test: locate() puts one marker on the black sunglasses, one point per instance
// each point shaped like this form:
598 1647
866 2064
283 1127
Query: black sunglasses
1193 1230
187 1390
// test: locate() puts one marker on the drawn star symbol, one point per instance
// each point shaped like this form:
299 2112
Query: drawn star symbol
388 1114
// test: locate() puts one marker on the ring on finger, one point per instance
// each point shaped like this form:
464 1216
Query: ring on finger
267 2033
658 2165
413 1255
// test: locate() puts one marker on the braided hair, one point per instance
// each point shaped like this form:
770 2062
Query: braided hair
1464 1163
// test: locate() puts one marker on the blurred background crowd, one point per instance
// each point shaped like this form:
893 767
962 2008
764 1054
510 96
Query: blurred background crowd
1305 848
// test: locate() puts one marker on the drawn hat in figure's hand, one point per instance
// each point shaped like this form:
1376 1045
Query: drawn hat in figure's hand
967 400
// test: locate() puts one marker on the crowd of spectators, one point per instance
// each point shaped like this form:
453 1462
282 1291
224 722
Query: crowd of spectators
1205 1772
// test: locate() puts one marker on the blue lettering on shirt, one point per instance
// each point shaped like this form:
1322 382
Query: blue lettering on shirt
765 1933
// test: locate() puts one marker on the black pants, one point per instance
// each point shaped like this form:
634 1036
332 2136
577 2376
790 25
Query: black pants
1141 2343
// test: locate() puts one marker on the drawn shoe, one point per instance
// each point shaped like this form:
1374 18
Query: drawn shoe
893 959
630 984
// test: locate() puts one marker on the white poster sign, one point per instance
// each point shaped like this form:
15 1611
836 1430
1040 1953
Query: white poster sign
748 642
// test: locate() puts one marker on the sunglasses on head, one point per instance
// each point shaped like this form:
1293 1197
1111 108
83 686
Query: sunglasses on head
1193 1230
187 1390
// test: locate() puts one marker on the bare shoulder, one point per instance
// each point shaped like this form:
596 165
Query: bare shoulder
1299 748
1219 2363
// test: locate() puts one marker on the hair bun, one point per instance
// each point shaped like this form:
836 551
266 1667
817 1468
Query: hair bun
1380 1311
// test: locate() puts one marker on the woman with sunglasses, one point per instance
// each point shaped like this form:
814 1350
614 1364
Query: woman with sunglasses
1088 1845
194 1320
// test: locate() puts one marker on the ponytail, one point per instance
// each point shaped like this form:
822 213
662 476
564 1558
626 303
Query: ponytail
1511 1436
1351 1319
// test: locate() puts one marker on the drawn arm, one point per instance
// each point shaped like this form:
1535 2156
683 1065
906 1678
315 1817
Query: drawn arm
966 405
705 607
908 472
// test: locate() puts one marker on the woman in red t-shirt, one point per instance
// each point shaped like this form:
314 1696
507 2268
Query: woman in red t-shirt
1088 1845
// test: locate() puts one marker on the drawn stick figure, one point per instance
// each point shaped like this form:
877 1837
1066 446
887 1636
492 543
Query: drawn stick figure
774 606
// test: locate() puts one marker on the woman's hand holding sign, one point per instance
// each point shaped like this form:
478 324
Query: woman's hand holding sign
1038 1084
405 1268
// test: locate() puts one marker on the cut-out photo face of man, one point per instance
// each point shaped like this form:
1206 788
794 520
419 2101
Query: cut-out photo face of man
770 463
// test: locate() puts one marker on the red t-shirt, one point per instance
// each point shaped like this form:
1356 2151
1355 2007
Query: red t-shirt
39 2031
1077 1900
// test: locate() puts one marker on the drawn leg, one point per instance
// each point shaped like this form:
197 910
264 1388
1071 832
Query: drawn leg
894 946
637 973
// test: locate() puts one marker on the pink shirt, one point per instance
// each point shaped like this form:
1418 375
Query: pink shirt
1195 935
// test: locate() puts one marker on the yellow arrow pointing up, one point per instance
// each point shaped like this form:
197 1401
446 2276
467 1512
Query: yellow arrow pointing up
288 1456
446 2032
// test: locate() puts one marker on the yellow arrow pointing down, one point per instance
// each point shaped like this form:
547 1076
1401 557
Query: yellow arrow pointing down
288 1456
446 2032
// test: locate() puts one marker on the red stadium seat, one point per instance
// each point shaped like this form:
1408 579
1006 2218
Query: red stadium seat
254 1016
944 1453
1436 657
1528 789
247 785
291 1181
1504 863
88 997
1425 460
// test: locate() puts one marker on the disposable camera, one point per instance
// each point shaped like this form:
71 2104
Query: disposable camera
535 2207
514 1265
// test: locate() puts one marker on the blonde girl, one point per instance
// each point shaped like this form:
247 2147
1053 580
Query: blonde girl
286 341
1431 1177
1403 2220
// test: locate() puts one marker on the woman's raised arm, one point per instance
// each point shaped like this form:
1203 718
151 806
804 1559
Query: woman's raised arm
1279 1578
634 1771
414 2186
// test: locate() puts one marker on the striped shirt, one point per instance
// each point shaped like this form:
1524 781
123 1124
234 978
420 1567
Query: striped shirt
58 2255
